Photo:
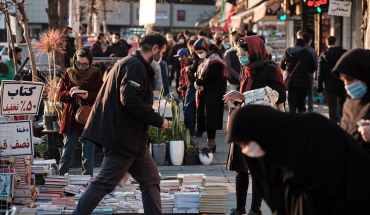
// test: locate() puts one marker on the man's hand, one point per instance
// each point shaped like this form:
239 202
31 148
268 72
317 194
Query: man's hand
170 67
165 124
365 131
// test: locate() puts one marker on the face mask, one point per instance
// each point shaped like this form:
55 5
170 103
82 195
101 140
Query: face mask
203 55
228 44
115 41
82 68
253 150
244 60
356 90
169 39
155 63
181 41
70 35
181 61
187 38
218 42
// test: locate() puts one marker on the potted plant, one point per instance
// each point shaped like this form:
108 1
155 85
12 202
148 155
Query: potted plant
40 145
191 157
205 156
177 146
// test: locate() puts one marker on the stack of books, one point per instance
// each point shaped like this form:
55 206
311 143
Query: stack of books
170 186
191 179
72 189
185 210
79 179
49 209
56 181
25 193
39 169
26 211
187 200
167 201
51 190
213 198
21 171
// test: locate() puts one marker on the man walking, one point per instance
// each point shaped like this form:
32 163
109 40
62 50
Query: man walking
70 48
96 48
334 87
307 38
119 121
117 49
7 68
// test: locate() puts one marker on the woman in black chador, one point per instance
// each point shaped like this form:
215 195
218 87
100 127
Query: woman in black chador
302 164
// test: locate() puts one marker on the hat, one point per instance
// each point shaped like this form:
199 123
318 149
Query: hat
181 52
200 43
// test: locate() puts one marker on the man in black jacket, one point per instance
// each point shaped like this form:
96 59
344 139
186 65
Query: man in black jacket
334 87
119 122
70 48
117 48
96 48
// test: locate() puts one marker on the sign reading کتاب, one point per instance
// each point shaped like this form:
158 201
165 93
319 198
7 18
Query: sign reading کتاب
16 138
20 97
340 8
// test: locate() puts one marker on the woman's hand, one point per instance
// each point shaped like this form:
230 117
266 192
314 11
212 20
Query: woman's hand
83 95
179 89
228 100
365 131
72 90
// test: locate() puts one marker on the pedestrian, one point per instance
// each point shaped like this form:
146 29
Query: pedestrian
82 76
187 35
307 38
319 169
257 72
299 34
226 41
70 48
174 64
119 122
218 38
96 48
299 61
117 49
210 88
124 43
336 93
353 69
7 67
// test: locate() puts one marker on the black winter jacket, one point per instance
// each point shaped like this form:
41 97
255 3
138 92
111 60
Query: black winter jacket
327 61
97 50
122 113
70 51
119 50
290 59
192 68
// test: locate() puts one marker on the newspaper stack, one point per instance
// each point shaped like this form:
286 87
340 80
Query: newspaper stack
263 96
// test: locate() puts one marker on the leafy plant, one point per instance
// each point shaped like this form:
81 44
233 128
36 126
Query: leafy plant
41 145
192 151
205 151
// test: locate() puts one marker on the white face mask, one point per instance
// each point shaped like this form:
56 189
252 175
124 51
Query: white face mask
70 35
169 39
253 150
203 55
155 63
181 41
115 41
187 38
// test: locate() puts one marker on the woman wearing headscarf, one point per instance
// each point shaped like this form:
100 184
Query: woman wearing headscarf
353 68
82 76
209 84
257 72
299 61
319 169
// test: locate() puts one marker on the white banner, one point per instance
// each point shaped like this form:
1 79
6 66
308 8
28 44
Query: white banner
147 12
16 138
340 8
20 98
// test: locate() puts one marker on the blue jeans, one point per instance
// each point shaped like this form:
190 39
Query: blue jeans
189 110
166 87
70 142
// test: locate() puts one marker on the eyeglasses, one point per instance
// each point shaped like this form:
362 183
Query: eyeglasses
242 55
81 64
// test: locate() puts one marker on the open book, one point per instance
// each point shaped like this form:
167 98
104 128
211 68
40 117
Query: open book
78 92
234 95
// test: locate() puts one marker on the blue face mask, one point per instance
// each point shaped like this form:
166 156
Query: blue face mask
356 90
244 60
228 44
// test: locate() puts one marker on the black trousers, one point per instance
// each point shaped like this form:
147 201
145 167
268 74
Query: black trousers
241 185
113 169
175 69
336 100
296 99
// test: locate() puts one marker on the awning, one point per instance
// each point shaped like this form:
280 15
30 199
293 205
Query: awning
257 12
207 20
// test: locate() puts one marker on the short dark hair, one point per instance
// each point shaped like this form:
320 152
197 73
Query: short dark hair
306 37
152 39
100 35
10 52
84 52
191 41
69 28
201 33
300 42
210 36
330 40
237 36
186 32
243 44
262 38
117 34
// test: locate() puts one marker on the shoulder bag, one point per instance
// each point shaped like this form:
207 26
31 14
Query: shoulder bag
83 112
287 80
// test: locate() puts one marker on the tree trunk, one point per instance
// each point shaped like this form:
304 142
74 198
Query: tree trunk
365 28
105 27
52 12
91 11
63 12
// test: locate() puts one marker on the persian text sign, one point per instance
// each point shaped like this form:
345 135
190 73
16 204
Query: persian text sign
16 138
340 8
20 98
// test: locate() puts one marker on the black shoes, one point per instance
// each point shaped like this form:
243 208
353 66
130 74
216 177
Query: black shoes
234 211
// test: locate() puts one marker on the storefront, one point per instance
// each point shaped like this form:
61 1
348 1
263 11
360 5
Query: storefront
275 37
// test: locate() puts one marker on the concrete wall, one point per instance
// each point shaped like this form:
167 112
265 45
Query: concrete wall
194 13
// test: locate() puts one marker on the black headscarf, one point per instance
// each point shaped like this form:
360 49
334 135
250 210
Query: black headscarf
311 165
355 63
